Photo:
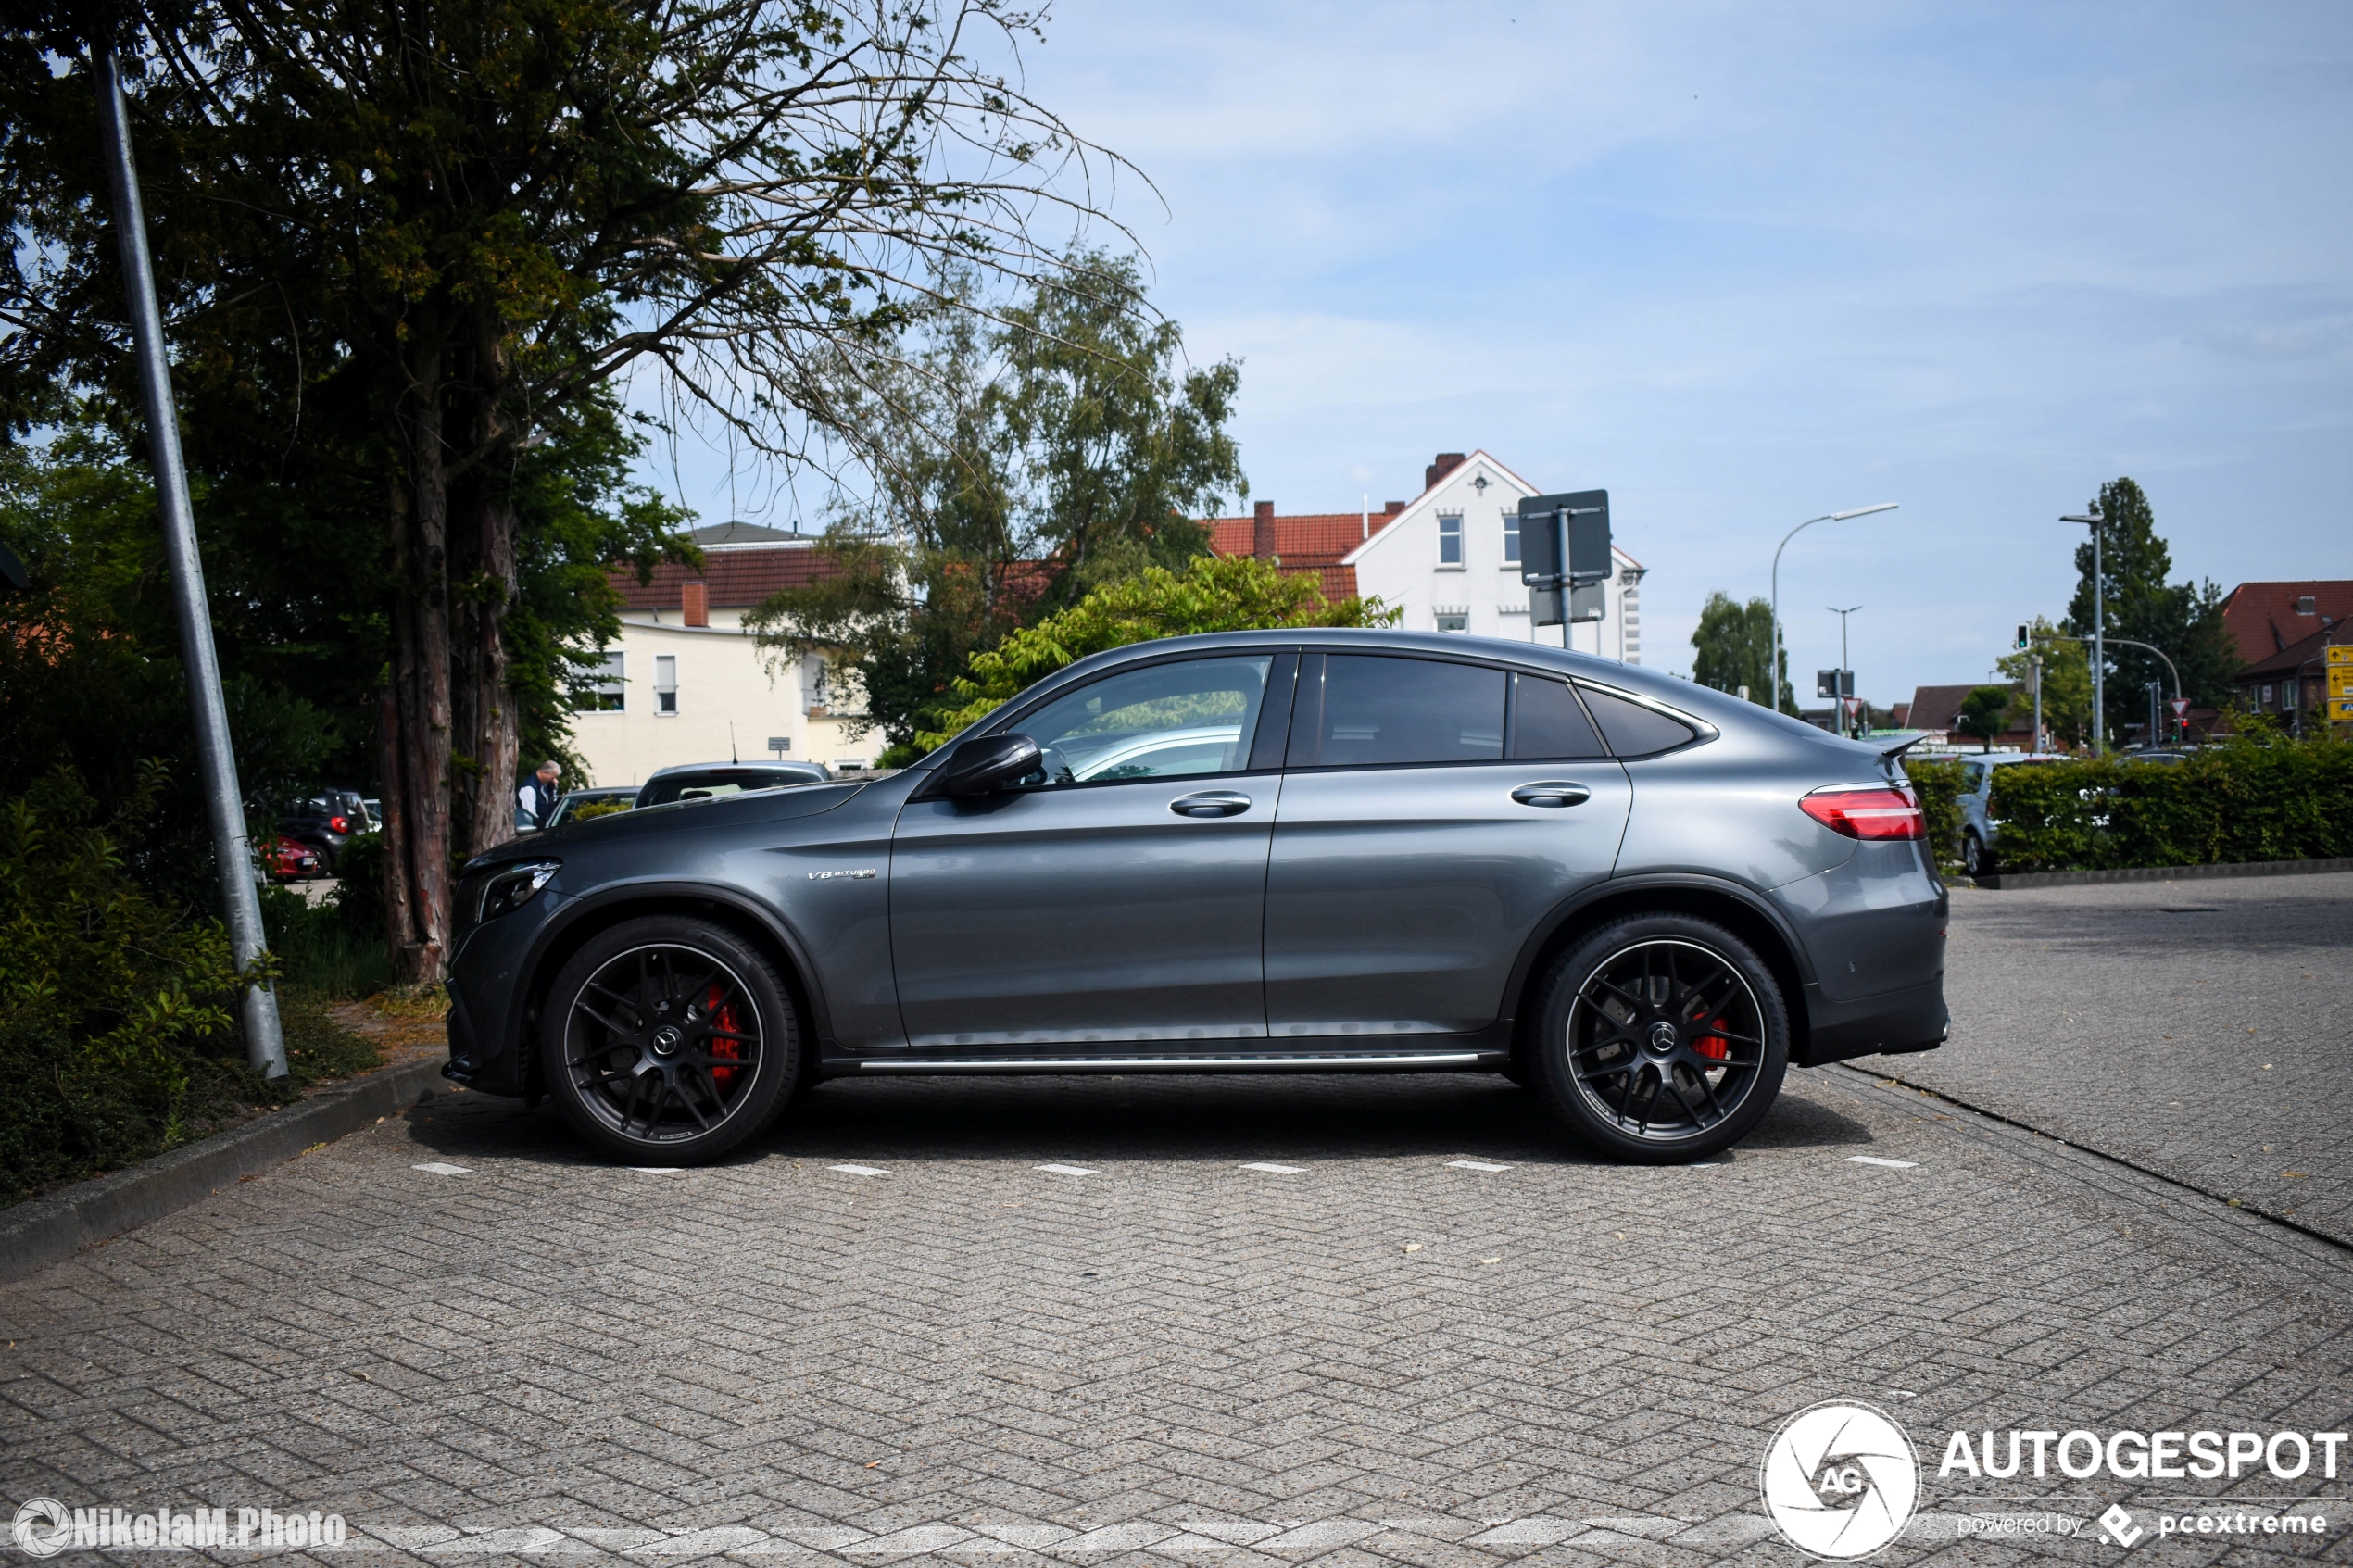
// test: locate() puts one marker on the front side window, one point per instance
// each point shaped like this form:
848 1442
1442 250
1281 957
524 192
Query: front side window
1450 539
605 690
1167 720
1511 537
1372 711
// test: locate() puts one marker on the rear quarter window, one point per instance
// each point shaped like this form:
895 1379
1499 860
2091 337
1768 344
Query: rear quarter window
1634 730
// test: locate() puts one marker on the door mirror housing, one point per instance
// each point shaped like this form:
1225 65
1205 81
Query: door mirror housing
993 762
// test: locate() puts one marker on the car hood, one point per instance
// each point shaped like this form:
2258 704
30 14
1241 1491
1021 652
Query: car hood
780 803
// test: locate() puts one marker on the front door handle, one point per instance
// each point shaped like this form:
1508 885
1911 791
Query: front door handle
1211 803
1551 792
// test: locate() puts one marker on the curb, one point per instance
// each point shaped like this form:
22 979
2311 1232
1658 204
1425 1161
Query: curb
44 1230
2016 880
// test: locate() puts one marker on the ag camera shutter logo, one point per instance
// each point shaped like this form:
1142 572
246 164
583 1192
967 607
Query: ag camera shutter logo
1841 1479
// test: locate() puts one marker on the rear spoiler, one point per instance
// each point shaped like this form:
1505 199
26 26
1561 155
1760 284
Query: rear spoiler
1890 757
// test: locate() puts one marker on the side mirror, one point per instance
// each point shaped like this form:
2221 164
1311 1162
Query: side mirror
989 763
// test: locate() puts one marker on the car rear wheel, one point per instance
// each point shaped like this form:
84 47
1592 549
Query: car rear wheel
1662 1037
669 1041
1974 859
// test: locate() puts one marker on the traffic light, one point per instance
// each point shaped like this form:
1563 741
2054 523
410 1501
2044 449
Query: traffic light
2022 638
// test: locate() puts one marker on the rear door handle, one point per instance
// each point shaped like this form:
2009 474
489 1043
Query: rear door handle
1551 792
1211 803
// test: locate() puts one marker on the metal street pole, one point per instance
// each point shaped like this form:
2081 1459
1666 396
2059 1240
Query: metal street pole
1773 658
224 804
1844 667
2099 634
2035 661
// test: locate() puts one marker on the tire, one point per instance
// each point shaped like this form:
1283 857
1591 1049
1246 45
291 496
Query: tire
669 1041
1974 859
1661 1039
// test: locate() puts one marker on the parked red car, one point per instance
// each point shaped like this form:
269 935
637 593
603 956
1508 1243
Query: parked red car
289 860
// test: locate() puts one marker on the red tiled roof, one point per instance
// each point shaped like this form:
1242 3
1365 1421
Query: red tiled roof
1939 707
2294 658
2262 616
737 579
1314 541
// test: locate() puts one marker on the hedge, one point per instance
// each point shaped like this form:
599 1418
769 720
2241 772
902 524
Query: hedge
2258 796
1937 784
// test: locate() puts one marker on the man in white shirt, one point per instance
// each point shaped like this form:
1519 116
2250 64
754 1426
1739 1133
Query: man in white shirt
536 801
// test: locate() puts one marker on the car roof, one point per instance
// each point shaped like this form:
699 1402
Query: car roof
675 768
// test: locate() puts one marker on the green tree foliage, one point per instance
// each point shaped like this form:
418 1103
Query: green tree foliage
401 245
1984 713
1733 645
2067 683
1237 594
1027 457
2183 619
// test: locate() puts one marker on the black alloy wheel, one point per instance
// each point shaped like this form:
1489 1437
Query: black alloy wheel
1664 1038
669 1039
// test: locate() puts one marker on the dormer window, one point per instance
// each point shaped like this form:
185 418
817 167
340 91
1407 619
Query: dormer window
1450 539
2307 604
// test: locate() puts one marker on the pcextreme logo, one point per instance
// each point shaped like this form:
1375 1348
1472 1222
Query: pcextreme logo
1839 1479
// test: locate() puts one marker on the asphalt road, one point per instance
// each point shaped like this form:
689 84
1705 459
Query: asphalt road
1166 1353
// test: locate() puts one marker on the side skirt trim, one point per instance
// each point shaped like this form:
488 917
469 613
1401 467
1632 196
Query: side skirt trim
1417 1062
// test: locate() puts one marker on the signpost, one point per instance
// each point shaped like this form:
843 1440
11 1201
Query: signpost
2340 668
1838 686
780 745
1563 556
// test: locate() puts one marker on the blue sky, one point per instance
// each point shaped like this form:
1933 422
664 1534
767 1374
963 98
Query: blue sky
1747 264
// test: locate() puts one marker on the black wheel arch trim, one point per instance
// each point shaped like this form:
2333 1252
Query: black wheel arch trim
550 943
1544 937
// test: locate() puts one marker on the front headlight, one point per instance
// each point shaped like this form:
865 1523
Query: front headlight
510 887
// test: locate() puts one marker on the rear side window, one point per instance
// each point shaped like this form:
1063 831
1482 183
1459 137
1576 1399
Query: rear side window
1634 730
1549 723
1374 711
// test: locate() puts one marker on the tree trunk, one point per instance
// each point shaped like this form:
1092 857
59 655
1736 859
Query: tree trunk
487 732
417 775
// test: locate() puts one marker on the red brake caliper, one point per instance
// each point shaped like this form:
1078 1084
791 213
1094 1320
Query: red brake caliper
722 1017
1713 1046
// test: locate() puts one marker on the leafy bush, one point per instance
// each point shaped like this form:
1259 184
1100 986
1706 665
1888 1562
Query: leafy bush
1938 785
117 1035
321 948
2258 796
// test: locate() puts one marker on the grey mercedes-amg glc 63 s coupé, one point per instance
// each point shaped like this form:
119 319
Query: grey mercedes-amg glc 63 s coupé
1301 851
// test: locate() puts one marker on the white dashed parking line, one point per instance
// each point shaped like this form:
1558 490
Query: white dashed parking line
855 1170
1273 1169
1067 1170
1875 1159
438 1169
1475 1165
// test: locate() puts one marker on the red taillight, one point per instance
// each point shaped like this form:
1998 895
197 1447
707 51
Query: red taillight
339 824
1872 811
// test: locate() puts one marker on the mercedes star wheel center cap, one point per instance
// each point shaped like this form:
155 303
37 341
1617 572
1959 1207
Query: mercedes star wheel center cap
666 1040
1663 1037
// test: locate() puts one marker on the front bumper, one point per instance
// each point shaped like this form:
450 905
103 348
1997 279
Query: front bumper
488 1047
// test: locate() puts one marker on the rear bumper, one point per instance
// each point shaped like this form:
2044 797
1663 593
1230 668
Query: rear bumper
1914 1018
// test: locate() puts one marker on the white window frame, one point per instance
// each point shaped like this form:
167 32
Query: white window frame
1511 539
666 696
612 680
1450 531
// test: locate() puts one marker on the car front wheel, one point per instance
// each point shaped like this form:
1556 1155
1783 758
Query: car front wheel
1663 1038
1974 858
669 1041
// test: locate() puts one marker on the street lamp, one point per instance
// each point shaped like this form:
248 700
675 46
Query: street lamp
1843 665
1773 674
2100 634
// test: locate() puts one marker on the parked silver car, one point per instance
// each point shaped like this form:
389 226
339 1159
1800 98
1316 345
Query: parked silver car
1981 830
1288 851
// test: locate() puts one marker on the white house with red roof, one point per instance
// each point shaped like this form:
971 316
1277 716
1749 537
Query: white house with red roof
686 680
1448 558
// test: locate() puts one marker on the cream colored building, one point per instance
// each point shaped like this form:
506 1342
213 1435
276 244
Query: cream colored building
687 682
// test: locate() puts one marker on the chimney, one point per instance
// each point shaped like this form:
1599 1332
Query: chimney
1391 508
1447 463
1261 530
695 601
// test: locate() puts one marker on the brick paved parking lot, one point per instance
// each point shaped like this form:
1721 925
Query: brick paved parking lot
1264 1321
